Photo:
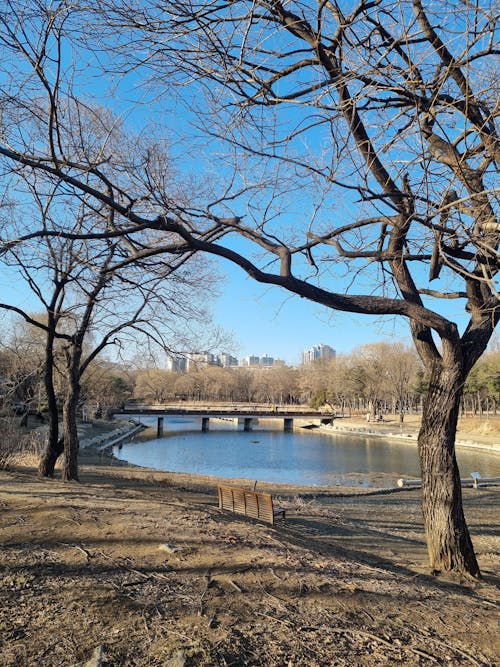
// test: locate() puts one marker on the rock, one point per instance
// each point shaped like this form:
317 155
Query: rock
169 548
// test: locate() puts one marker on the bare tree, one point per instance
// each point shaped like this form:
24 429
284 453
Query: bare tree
364 153
402 367
93 296
106 385
78 170
21 368
384 112
155 386
389 370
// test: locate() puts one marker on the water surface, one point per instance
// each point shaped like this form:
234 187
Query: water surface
271 455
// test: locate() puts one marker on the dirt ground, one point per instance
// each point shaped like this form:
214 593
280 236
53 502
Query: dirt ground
132 567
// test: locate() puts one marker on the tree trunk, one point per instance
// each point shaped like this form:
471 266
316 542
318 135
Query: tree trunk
54 447
52 452
70 463
70 411
448 540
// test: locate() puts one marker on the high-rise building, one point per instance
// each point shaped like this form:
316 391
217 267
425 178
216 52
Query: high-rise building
252 360
197 360
316 353
261 362
226 360
176 363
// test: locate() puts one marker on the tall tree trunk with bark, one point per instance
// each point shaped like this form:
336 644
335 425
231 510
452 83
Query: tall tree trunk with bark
54 446
448 540
70 411
70 461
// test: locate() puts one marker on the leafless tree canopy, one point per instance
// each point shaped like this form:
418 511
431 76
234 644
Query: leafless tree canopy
386 110
360 137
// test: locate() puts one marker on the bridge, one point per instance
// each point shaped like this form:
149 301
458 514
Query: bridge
246 414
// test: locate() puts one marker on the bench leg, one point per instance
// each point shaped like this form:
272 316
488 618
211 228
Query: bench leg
279 516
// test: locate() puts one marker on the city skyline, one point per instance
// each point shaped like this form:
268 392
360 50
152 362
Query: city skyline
192 360
195 360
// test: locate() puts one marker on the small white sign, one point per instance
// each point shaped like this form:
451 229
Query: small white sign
476 477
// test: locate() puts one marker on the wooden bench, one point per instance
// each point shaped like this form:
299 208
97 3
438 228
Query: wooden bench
249 503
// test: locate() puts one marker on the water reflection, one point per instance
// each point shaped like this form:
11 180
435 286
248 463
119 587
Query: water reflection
292 458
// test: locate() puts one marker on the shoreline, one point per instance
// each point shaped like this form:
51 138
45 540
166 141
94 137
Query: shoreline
98 451
489 442
409 437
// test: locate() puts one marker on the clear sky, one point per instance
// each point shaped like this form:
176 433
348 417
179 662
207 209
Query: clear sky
268 320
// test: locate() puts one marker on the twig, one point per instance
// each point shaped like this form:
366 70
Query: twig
141 574
148 630
179 634
76 546
234 585
234 570
133 583
273 618
208 579
280 602
490 602
84 551
68 518
423 654
363 633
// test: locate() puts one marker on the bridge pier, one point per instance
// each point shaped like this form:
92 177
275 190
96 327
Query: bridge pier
205 421
247 424
288 424
159 428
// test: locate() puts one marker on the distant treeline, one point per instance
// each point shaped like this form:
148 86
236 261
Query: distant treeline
376 378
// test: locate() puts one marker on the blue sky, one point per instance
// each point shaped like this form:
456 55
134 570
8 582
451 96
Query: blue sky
268 320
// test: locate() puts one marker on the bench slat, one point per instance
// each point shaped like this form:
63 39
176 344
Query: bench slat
249 503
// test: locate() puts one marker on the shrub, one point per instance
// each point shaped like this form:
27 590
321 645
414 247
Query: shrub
17 444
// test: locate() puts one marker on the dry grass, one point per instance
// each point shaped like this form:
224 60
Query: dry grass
17 446
485 425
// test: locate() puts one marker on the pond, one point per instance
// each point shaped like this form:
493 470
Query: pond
299 457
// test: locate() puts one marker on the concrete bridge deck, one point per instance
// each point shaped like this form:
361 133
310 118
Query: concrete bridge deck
215 411
247 414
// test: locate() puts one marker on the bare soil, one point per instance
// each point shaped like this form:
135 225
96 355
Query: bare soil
142 569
